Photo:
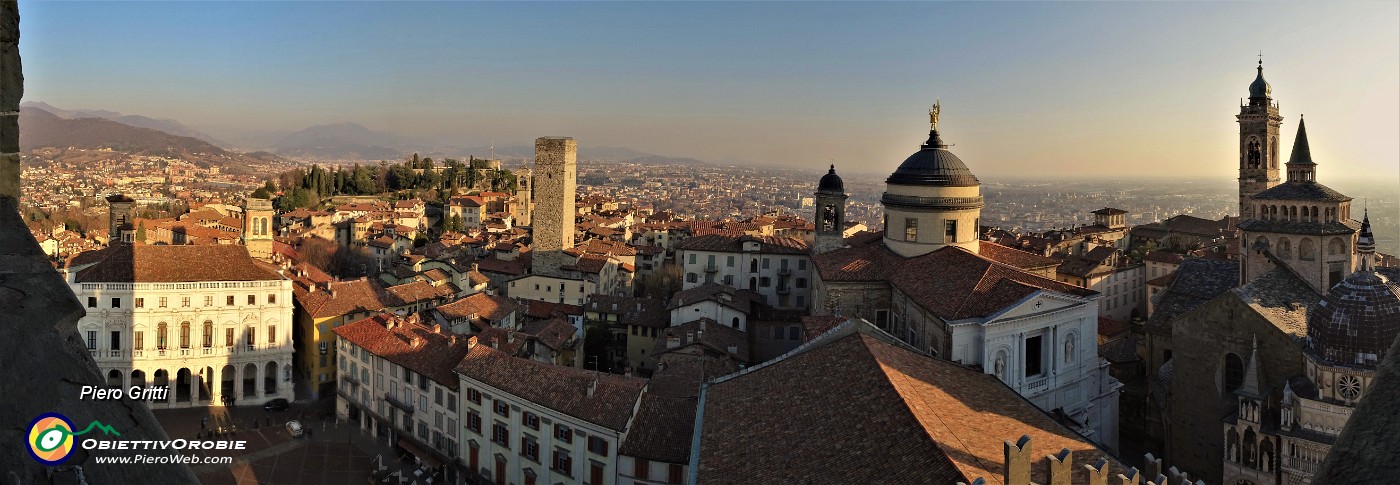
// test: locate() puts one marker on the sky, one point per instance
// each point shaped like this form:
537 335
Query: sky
1083 89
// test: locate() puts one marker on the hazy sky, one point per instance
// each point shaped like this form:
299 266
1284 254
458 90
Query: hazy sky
1056 88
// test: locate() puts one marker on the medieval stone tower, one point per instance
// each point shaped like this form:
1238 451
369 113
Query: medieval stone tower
119 228
524 205
556 180
1259 123
831 213
257 228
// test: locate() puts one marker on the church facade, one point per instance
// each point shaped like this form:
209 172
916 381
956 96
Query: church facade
929 280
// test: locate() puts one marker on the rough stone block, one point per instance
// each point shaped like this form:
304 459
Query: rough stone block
9 21
9 133
11 79
9 175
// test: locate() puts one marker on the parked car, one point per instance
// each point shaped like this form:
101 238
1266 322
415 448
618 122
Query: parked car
295 429
278 404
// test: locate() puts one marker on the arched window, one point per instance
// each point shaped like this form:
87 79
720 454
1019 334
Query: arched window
1261 242
1336 246
1250 444
1285 248
735 323
1314 214
1273 212
264 226
1263 211
1234 373
1307 251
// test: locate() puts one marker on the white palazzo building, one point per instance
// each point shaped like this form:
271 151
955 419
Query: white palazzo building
208 321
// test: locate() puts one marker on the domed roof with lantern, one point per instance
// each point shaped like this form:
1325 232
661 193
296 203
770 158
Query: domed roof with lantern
1359 318
933 165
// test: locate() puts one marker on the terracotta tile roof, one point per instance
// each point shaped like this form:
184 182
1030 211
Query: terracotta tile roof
409 344
553 333
1109 327
418 291
167 264
338 298
505 340
664 425
588 263
860 409
952 283
644 312
727 243
1015 257
490 307
604 247
742 300
814 326
563 389
1163 257
721 340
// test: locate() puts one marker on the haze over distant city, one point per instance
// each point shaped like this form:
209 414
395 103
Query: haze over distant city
1055 90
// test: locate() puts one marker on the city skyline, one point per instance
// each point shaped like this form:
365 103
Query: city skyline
1101 90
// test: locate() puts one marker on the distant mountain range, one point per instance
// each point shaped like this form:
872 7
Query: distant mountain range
336 141
166 125
40 128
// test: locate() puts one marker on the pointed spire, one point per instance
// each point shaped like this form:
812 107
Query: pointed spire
1302 155
1250 387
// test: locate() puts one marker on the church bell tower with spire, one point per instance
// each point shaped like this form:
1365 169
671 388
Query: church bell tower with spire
1259 126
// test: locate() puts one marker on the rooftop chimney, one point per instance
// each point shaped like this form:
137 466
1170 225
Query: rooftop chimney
592 386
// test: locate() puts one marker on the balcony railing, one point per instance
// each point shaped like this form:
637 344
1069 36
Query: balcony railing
784 271
395 402
351 379
711 268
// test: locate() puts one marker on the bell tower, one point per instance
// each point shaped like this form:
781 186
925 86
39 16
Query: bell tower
257 228
1259 126
831 213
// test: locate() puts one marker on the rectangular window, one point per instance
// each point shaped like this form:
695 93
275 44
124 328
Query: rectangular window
563 433
641 468
92 340
763 282
162 302
228 301
1033 354
252 299
502 408
692 258
116 303
185 301
911 229
140 341
474 396
562 462
676 474
530 420
950 231
452 401
437 419
437 396
271 299
474 422
185 335
92 302
228 337
251 340
208 300
529 448
729 261
272 334
500 435
801 265
116 340
765 263
793 333
597 445
140 303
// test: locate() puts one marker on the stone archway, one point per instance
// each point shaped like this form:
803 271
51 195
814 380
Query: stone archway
138 378
114 378
270 378
183 378
228 376
162 379
206 380
250 380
